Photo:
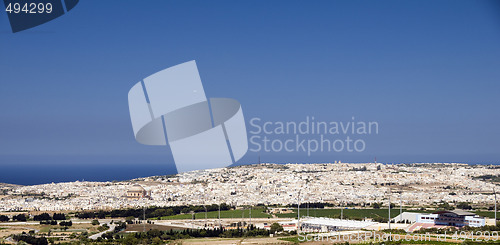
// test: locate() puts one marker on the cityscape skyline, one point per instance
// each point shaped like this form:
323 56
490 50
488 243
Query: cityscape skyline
418 185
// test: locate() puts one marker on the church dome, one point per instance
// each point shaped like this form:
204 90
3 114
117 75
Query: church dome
137 188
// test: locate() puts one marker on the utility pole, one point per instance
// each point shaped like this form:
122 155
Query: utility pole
144 219
250 214
220 225
401 205
389 208
298 212
206 219
494 192
342 211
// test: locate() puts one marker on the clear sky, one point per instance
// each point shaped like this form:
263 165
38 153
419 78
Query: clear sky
427 71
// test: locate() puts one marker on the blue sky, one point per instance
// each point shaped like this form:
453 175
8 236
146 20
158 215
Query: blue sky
426 71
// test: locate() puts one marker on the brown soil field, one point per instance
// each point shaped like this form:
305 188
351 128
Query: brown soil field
140 227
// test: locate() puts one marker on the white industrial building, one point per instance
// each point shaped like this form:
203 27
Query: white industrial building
327 224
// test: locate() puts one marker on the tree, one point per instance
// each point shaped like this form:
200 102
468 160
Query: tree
169 212
158 213
120 226
107 235
19 217
157 241
103 227
376 205
276 227
154 233
130 220
101 214
95 222
44 216
66 223
464 205
4 218
31 239
445 206
59 216
130 240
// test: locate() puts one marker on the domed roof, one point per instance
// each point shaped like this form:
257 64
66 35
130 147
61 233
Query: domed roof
136 188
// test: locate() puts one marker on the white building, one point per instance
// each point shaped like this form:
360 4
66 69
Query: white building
458 218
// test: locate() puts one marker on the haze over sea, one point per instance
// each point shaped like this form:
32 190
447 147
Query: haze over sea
42 169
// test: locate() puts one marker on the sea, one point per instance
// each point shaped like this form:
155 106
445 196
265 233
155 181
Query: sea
32 174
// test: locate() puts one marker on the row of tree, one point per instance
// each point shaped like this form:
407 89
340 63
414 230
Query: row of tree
19 217
152 212
311 205
30 239
46 216
40 217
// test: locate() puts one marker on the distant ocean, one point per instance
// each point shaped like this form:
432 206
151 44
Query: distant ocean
31 174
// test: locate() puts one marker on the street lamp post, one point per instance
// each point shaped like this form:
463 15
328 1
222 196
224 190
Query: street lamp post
298 212
494 192
144 219
250 214
206 219
389 208
401 206
341 211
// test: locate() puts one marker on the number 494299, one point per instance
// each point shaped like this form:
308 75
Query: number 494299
29 8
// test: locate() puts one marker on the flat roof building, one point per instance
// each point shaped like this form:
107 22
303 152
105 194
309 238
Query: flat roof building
458 218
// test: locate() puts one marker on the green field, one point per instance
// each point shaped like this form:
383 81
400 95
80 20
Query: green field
329 213
259 213
489 214
256 213
348 213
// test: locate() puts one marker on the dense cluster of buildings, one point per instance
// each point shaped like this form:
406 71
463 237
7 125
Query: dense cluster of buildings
339 183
